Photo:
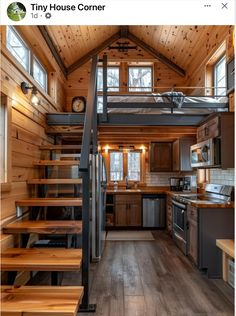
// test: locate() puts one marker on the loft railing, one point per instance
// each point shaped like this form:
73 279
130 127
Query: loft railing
89 134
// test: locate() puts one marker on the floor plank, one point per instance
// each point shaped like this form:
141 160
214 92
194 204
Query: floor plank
152 279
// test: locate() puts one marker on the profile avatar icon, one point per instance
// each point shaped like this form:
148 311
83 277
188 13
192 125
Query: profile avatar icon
16 11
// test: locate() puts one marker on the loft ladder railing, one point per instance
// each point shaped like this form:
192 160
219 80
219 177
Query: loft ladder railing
90 133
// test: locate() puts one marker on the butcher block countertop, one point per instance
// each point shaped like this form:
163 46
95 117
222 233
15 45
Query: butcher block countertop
166 190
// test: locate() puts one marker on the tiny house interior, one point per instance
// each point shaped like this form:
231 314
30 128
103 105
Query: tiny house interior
117 170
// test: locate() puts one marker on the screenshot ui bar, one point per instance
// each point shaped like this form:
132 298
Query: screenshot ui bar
118 12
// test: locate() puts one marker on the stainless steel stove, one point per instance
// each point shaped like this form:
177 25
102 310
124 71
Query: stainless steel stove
215 194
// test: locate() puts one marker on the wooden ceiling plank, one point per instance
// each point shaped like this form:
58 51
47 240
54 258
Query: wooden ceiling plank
52 47
157 55
93 52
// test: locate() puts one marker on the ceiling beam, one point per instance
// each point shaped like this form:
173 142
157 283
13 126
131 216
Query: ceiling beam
93 52
124 29
52 47
156 54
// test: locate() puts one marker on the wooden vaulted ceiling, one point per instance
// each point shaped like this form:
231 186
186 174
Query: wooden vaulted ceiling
179 47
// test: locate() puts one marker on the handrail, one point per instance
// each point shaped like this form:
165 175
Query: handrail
88 120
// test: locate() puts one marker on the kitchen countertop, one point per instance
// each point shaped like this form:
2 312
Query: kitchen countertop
166 190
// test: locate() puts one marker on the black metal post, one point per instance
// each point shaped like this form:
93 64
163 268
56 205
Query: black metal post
104 115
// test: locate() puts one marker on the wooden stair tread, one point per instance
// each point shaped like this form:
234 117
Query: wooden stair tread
54 181
60 147
44 227
40 300
61 129
57 163
50 202
41 259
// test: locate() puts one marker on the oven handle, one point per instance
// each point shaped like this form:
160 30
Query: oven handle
183 206
179 237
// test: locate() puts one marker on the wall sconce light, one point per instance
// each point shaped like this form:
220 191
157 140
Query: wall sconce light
25 89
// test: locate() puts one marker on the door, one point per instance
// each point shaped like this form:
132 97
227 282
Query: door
133 215
161 157
193 240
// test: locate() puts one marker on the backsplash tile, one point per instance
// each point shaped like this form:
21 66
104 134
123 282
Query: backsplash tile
160 178
219 176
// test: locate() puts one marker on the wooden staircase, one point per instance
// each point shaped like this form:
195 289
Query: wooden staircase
32 213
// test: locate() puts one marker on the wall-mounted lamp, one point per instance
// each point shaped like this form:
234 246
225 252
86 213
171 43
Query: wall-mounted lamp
25 89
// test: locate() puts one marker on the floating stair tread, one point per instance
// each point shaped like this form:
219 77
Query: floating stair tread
41 300
41 259
55 181
61 129
57 163
44 227
60 147
50 202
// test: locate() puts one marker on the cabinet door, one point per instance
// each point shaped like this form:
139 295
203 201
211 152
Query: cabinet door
133 214
193 240
121 215
161 157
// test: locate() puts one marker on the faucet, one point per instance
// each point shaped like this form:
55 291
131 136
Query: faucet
126 182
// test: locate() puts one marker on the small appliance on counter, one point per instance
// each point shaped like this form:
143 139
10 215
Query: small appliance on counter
176 183
190 184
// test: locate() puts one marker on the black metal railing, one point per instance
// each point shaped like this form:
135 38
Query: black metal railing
89 135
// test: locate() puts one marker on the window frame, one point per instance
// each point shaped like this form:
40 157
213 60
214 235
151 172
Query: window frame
125 166
35 59
6 102
146 88
216 64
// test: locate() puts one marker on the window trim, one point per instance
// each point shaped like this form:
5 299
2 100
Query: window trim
219 60
140 91
6 186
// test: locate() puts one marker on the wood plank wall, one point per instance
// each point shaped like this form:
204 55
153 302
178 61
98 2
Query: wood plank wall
28 121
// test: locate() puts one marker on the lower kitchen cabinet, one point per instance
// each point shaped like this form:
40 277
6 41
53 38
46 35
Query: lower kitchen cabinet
192 233
169 214
128 210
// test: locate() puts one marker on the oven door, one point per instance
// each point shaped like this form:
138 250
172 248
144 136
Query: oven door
180 225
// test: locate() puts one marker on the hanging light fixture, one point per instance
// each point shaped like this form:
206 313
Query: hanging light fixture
25 89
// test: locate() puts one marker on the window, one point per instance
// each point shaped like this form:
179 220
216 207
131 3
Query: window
18 48
124 164
99 104
113 78
26 58
220 77
133 166
140 79
116 166
3 141
40 74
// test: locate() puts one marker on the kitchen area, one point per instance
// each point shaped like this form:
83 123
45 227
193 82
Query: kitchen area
187 191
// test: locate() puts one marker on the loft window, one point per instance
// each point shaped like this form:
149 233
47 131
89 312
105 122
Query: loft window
124 164
220 77
140 79
40 74
113 79
18 48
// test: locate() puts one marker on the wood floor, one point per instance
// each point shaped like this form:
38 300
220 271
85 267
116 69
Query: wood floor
152 278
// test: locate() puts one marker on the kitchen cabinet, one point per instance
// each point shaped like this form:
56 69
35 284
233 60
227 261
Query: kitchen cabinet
169 214
192 224
181 154
210 129
128 210
110 210
161 156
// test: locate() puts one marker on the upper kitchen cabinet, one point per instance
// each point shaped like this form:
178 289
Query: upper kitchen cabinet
181 154
161 156
220 126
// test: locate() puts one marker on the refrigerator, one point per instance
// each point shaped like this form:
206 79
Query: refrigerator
98 216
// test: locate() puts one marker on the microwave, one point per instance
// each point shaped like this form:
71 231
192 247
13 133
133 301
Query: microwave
206 154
